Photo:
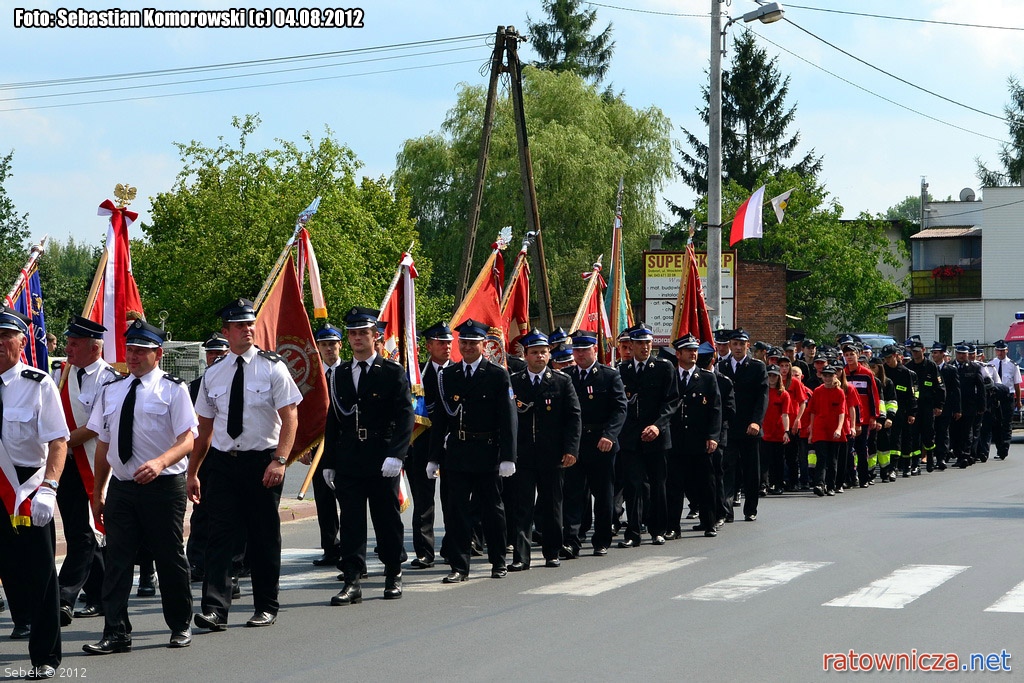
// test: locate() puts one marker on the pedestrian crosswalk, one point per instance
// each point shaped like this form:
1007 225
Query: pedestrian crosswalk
896 588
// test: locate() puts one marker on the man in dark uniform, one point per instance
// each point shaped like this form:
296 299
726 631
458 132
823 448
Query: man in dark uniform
473 438
548 440
904 416
652 394
145 426
809 349
972 406
439 349
695 438
750 383
82 570
931 397
216 347
950 407
603 409
328 344
369 427
707 360
247 421
33 444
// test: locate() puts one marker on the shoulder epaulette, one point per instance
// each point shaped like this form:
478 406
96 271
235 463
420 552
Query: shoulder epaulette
33 375
269 355
388 361
117 378
218 359
172 378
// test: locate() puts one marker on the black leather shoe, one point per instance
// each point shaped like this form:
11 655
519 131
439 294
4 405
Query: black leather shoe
629 543
475 550
554 563
65 615
393 587
658 540
20 632
236 590
41 673
568 553
518 567
181 638
108 646
499 572
261 619
750 518
691 515
699 527
211 621
421 563
454 577
326 561
89 611
600 552
147 586
351 594
710 533
672 535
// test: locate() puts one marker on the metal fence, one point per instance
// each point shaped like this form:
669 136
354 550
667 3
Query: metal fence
183 359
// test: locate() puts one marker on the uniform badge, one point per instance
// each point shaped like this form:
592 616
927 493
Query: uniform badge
547 402
455 397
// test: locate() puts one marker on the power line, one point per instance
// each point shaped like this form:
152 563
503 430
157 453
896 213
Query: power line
646 11
881 97
910 19
892 75
239 87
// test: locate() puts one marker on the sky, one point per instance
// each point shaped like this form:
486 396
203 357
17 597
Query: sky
73 143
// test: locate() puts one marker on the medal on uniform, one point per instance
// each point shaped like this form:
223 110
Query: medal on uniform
548 403
455 397
590 392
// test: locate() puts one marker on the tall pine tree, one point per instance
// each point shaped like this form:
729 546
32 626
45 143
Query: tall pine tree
1011 155
564 42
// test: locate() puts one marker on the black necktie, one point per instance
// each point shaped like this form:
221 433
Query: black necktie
236 399
469 370
126 425
1000 370
81 374
686 377
362 372
639 367
583 375
536 380
1 409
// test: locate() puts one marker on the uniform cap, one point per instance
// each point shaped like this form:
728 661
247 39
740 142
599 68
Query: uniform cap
360 318
84 328
439 332
641 332
328 333
534 338
1001 344
216 342
471 330
938 346
583 339
141 333
561 355
238 311
557 336
739 334
10 319
773 369
687 341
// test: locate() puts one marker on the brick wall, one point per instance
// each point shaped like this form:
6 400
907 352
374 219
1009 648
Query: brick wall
761 300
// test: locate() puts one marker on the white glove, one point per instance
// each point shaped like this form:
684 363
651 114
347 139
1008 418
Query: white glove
432 469
42 506
506 468
329 478
392 467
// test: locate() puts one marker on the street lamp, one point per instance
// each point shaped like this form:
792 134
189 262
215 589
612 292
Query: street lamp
767 13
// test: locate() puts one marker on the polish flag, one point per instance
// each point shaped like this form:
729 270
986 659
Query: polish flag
748 224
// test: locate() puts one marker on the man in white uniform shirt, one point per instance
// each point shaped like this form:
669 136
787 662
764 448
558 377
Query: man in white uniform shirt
33 443
1006 373
247 420
145 427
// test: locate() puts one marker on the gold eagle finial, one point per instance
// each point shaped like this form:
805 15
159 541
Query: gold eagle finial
125 193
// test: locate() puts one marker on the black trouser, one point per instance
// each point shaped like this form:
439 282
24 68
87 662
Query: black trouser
484 489
1002 431
645 470
593 474
962 434
83 561
742 469
701 482
774 456
538 496
924 427
146 517
382 495
199 528
943 425
326 513
983 444
30 580
828 453
677 487
860 453
422 489
238 500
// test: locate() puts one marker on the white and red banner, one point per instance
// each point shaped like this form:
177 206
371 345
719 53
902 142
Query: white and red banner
118 295
748 222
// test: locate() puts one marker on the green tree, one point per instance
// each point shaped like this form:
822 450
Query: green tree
756 123
581 143
564 42
1011 154
14 230
66 271
217 233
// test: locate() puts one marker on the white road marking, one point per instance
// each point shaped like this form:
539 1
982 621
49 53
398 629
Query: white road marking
595 583
1011 602
900 588
753 582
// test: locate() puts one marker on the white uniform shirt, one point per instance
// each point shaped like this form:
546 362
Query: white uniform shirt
1011 372
163 410
268 388
96 375
32 416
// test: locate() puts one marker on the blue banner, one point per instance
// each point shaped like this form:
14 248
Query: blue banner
29 302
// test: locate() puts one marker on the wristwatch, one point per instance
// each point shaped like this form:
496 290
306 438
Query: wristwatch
281 459
52 483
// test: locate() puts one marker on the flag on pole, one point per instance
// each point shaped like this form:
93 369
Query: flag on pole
483 302
780 203
592 316
283 326
691 314
117 296
307 261
748 222
516 310
27 298
617 303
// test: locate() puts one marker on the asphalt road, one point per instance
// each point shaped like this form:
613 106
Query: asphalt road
932 564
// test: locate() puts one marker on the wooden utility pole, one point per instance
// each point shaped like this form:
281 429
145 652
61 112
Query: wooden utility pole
506 43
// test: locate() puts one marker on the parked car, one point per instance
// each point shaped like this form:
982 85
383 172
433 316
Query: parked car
876 341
